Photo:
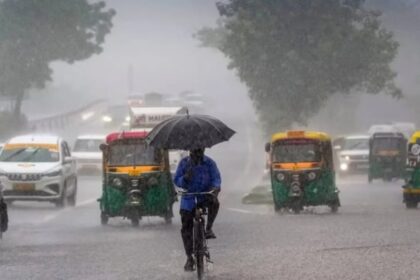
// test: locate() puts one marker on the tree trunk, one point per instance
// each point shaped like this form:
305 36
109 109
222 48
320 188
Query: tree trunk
18 103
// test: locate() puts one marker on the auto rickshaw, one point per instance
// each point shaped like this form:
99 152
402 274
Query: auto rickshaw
411 190
302 170
136 179
387 156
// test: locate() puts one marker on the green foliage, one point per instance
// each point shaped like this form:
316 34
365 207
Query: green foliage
34 33
294 54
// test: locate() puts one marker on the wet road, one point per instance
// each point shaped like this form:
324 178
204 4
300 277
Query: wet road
372 237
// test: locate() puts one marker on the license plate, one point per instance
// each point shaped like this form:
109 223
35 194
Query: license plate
24 187
134 173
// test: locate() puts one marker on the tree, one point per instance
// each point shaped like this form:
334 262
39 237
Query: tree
294 54
34 33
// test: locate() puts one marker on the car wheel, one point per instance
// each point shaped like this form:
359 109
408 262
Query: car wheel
62 201
73 198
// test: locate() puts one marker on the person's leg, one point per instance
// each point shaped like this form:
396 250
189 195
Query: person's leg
5 219
187 220
213 208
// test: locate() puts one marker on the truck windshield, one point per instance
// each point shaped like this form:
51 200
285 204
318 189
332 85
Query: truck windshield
300 150
133 154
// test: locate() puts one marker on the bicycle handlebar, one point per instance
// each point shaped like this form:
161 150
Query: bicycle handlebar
182 192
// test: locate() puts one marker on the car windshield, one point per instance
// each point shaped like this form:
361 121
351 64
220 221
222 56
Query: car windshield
133 154
29 154
87 145
296 151
356 144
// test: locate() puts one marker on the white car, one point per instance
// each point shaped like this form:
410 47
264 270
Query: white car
38 168
87 153
353 154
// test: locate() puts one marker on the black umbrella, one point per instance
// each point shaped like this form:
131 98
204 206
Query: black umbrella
188 132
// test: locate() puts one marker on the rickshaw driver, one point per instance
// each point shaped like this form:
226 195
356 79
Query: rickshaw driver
197 173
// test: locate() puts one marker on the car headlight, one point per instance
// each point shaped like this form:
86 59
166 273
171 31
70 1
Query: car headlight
311 176
152 181
280 176
54 173
344 166
106 119
347 158
117 182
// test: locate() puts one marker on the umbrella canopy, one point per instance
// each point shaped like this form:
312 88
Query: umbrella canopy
188 132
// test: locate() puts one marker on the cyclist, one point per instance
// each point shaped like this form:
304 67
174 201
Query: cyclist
197 173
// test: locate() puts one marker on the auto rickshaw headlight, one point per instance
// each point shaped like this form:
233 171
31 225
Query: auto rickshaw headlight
311 175
152 181
117 182
280 176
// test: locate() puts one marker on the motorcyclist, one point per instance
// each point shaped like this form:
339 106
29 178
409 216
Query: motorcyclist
197 173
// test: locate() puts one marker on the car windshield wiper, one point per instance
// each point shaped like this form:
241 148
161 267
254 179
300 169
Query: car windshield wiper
14 154
32 154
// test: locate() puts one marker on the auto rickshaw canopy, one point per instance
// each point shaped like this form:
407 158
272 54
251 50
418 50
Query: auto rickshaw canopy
300 134
414 137
126 135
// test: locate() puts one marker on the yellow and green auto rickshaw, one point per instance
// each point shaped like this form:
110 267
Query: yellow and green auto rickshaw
136 179
302 170
411 190
387 156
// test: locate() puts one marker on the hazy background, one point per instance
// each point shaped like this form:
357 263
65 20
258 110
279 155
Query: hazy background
151 48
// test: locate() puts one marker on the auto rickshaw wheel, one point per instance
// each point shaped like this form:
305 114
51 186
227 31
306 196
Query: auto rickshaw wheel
296 206
276 207
411 204
104 219
334 207
135 218
168 220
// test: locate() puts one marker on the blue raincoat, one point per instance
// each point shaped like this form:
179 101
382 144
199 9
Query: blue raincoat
205 176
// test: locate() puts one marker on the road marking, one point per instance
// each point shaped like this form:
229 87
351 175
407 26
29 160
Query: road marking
243 211
53 216
86 202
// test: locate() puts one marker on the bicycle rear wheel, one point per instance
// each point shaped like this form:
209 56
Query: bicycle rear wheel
199 247
1 225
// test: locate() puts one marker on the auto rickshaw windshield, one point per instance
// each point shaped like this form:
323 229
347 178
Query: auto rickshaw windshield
296 150
127 154
386 144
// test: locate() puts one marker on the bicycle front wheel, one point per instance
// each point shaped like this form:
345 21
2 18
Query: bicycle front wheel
199 247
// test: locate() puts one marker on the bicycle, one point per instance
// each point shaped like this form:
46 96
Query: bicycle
200 250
